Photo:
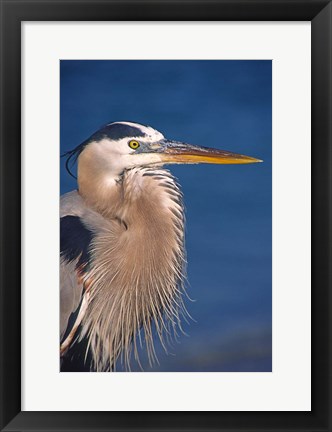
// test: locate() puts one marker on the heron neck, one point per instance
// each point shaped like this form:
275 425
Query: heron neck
100 189
138 196
145 264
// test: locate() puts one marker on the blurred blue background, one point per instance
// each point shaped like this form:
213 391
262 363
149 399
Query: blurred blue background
223 104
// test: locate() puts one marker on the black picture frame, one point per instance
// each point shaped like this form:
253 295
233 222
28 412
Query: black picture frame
13 12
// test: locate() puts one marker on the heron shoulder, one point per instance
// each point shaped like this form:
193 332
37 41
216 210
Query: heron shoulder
72 204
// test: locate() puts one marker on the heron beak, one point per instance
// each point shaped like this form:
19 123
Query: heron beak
175 152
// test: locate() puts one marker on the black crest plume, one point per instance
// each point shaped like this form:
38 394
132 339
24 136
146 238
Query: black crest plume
72 156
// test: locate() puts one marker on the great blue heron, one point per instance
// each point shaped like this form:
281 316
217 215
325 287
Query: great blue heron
122 240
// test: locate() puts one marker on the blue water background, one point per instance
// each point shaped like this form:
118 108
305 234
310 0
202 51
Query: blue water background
222 104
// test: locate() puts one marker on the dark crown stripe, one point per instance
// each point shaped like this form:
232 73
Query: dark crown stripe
117 131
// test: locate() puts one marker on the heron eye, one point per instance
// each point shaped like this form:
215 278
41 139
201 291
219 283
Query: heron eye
133 144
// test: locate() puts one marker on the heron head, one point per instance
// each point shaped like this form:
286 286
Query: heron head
124 145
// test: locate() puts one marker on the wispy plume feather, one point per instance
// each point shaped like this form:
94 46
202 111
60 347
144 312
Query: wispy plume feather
142 289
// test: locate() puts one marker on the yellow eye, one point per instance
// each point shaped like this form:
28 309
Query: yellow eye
133 144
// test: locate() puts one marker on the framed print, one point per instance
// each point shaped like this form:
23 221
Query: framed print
96 98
